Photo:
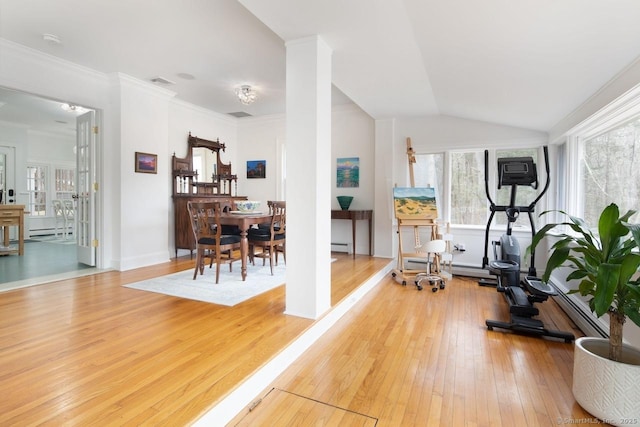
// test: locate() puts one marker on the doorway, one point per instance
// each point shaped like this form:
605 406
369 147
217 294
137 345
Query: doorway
50 132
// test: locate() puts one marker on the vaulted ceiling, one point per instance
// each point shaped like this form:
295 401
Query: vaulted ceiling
524 63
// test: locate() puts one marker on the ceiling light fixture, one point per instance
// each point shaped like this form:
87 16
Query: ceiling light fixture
246 94
51 38
73 108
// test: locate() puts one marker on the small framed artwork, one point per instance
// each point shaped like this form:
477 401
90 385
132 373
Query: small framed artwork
348 172
256 168
146 163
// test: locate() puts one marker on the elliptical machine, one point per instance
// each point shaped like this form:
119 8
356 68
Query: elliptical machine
521 295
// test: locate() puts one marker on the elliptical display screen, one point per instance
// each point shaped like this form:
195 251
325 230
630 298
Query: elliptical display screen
517 171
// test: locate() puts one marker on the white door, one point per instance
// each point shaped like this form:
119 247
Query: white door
86 188
7 174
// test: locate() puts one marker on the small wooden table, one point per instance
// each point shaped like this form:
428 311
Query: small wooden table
354 216
244 222
12 215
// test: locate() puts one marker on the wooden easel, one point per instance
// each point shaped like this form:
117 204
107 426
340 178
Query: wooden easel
401 271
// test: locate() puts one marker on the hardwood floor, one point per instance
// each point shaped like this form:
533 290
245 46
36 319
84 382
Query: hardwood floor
88 351
408 358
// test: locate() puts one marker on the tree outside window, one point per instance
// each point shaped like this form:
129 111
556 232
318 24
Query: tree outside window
468 198
610 171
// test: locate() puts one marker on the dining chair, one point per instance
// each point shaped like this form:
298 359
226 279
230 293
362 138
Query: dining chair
210 241
61 223
228 205
272 240
69 216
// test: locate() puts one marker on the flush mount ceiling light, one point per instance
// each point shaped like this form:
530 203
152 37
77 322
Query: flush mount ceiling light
51 38
73 108
246 94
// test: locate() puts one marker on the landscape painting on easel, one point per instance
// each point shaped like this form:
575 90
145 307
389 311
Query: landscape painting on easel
415 203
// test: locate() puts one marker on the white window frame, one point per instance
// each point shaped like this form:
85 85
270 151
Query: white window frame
617 113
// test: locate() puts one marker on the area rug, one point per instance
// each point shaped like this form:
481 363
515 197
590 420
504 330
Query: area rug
230 290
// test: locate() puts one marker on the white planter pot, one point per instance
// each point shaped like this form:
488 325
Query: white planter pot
608 390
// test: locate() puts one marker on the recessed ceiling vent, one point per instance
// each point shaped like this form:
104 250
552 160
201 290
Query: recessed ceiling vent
240 114
162 81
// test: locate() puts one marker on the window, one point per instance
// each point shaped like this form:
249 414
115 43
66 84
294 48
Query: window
610 170
468 197
463 199
37 190
64 183
429 172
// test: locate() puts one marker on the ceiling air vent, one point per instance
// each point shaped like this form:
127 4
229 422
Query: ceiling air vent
162 81
240 114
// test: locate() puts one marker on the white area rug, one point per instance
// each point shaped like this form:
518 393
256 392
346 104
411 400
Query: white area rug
231 290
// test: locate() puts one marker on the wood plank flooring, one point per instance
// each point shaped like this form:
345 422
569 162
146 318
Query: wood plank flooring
409 358
88 351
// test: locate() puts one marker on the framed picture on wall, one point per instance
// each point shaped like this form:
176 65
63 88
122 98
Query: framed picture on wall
348 172
256 168
146 163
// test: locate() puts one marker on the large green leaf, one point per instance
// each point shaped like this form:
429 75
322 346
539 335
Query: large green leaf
606 286
635 232
633 314
586 287
628 268
556 259
606 227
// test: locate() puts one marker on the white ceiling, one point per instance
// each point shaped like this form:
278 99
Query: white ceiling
524 63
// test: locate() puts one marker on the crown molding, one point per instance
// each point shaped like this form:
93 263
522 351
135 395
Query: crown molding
47 61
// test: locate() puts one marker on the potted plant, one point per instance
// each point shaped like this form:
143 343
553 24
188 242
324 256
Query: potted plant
606 376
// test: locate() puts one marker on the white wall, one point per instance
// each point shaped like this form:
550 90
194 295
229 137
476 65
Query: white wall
352 135
144 117
261 138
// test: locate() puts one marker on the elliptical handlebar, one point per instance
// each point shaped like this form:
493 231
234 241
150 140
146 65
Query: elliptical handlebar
486 179
545 149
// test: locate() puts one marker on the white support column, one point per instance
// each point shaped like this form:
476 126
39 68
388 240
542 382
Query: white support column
308 168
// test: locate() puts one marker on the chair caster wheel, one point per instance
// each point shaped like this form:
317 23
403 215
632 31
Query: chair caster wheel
419 286
404 283
434 289
442 285
393 275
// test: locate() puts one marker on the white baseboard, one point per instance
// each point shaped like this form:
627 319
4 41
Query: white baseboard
342 247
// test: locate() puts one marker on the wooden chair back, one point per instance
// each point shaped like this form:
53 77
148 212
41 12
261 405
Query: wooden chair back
273 239
210 242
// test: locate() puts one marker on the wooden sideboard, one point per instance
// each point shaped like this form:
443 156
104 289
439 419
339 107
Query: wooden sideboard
189 185
12 216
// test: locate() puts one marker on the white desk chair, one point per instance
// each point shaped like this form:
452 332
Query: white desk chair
433 249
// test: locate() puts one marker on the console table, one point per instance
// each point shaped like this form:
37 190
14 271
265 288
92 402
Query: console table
354 216
12 215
